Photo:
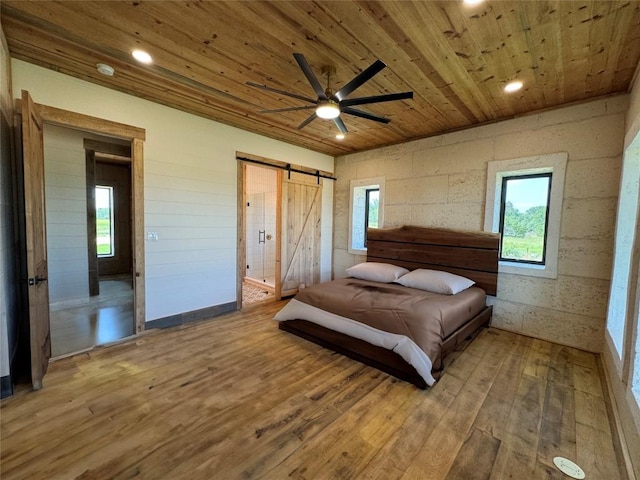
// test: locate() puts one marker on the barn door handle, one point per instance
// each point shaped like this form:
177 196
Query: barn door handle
36 280
261 236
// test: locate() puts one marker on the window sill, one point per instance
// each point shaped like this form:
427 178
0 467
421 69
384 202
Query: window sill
528 270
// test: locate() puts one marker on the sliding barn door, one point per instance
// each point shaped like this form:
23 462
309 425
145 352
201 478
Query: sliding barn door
33 160
300 255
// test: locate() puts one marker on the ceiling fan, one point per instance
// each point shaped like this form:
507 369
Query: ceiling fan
330 105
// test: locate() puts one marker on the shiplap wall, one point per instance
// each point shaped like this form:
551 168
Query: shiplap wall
441 181
190 188
66 207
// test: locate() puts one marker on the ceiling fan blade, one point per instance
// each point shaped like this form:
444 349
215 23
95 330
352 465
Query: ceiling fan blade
313 80
340 124
282 92
348 102
361 114
309 119
289 109
359 79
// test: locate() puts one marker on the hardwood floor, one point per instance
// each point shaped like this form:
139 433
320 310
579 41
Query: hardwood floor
101 319
236 398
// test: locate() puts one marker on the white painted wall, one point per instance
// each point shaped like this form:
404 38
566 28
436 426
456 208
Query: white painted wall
441 181
190 188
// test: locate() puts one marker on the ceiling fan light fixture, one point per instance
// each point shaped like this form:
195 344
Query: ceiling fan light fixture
340 136
328 110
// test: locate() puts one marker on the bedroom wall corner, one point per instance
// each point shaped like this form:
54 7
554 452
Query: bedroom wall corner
441 182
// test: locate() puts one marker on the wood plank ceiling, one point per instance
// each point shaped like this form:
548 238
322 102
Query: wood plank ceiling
456 59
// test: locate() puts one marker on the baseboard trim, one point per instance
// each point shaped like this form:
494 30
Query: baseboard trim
259 284
6 386
192 316
615 422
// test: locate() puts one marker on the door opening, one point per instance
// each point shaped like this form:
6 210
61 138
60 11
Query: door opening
92 298
261 240
298 205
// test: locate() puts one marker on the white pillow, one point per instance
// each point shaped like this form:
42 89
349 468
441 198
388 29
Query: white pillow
435 281
376 272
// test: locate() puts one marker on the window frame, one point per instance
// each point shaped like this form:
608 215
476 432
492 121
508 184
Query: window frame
556 163
367 203
503 201
112 226
358 224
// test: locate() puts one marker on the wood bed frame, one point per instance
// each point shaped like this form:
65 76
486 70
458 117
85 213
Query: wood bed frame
471 254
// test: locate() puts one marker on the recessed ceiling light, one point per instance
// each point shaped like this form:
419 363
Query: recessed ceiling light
513 86
340 136
105 69
142 56
472 2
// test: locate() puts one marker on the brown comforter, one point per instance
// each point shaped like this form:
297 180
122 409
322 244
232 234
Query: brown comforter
426 318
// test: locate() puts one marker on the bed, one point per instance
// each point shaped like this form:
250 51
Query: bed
403 331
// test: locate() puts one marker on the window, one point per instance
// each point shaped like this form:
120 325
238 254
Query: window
371 209
619 318
104 221
366 211
524 210
519 193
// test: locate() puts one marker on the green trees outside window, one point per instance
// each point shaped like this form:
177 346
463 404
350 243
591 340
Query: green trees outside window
104 221
524 217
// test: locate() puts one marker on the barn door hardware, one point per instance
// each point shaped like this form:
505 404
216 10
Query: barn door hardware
289 168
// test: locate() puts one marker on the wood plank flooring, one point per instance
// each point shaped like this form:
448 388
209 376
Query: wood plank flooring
98 320
236 398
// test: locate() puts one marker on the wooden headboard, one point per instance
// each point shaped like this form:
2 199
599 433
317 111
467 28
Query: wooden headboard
471 254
